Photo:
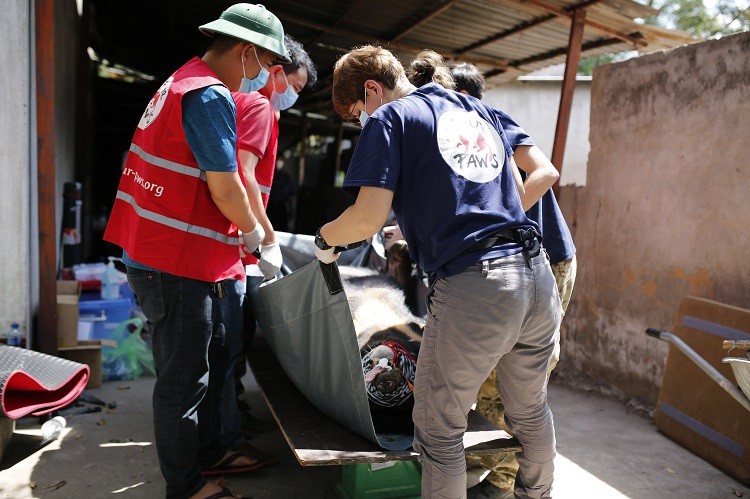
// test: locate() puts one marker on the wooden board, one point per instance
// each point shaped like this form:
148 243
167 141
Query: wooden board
317 440
693 409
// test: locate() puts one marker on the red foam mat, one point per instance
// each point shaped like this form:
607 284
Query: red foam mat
33 383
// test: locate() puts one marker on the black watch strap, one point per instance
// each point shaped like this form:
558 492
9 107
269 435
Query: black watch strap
320 242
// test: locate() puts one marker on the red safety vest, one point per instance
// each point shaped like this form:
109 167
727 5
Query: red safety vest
163 215
266 166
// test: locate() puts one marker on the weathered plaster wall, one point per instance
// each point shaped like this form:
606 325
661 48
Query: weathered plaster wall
666 209
533 103
14 153
19 251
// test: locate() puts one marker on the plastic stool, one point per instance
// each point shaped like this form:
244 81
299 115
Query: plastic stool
393 479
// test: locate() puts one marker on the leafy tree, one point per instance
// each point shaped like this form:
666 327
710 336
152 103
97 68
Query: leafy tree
690 16
587 64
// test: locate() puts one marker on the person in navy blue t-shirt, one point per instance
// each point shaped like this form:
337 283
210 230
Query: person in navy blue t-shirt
558 243
442 162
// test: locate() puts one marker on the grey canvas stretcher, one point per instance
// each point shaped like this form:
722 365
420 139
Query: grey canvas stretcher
317 440
307 364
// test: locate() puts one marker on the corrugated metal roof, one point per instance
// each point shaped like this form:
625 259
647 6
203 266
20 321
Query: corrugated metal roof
504 38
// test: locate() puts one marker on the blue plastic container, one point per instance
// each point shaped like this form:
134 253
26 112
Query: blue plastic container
96 294
105 315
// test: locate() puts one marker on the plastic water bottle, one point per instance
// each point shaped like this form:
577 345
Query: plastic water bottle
14 336
51 429
111 281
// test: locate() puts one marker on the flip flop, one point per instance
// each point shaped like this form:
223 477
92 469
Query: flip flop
225 492
219 495
261 456
224 466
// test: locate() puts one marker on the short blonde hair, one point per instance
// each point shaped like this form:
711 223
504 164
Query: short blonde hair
369 62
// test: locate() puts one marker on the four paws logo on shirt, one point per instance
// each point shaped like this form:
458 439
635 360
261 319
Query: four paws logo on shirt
471 146
155 104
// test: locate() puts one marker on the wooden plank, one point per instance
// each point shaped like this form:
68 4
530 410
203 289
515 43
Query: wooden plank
317 440
693 409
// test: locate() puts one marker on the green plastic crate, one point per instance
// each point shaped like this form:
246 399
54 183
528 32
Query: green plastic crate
394 479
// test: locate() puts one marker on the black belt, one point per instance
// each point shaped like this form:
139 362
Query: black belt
529 238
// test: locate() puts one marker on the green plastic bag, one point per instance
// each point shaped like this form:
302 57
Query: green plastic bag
131 358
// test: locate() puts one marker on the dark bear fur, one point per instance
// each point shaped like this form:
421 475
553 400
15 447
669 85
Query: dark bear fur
380 314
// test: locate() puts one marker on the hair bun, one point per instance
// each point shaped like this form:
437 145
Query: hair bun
429 67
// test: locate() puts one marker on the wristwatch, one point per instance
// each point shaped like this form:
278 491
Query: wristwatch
320 242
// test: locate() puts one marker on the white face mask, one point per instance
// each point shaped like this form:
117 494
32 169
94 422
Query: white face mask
247 85
364 115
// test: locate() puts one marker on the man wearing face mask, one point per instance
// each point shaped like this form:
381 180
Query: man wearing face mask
257 141
181 214
442 162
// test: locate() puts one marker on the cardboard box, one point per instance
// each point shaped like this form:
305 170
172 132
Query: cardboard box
89 353
693 409
68 296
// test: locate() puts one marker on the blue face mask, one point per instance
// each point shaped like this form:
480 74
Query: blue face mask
247 85
285 100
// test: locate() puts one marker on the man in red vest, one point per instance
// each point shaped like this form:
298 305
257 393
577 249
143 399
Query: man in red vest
180 215
257 144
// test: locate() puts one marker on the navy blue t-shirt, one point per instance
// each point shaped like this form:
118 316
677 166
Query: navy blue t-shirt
556 237
445 157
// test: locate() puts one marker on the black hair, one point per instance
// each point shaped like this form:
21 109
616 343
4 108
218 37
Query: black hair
300 59
468 78
429 67
220 44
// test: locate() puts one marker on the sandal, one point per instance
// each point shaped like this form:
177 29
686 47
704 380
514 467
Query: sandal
224 466
260 456
225 492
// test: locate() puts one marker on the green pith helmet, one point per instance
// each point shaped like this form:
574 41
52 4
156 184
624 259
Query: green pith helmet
253 24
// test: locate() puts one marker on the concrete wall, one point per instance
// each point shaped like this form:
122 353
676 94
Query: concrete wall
533 103
15 187
19 295
665 212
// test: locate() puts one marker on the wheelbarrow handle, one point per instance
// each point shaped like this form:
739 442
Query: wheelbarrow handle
703 364
739 344
655 333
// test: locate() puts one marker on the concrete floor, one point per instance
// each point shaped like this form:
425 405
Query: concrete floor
605 451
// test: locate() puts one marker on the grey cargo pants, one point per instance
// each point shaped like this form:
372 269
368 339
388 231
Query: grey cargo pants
499 313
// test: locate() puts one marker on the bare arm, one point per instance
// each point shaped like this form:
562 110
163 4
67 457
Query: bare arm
517 177
362 219
229 195
541 174
248 162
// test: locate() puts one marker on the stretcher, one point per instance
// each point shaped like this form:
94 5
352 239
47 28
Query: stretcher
307 364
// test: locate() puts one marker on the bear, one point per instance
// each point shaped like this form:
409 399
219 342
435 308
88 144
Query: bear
389 336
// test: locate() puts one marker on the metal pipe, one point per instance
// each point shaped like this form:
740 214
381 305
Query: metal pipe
707 368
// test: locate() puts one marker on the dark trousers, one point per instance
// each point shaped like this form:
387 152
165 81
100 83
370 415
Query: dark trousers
188 322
